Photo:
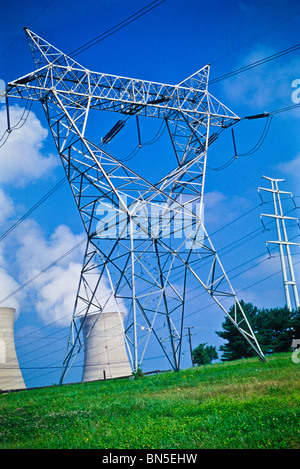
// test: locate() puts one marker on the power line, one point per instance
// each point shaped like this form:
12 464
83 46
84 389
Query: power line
41 12
32 279
55 262
132 154
117 27
52 367
258 36
261 140
21 31
263 279
33 208
288 108
249 152
188 300
18 125
84 239
256 63
161 2
251 234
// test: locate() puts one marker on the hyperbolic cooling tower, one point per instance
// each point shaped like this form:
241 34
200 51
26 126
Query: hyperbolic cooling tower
105 354
10 373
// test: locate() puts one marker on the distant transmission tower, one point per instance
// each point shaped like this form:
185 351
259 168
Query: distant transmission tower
288 274
149 263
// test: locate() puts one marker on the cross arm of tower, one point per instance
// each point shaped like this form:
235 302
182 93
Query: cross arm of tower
58 73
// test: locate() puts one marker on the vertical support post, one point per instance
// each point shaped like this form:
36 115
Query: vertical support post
289 258
191 349
139 132
282 259
234 144
283 242
136 364
7 114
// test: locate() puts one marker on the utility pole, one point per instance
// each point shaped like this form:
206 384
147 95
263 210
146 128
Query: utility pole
289 280
190 342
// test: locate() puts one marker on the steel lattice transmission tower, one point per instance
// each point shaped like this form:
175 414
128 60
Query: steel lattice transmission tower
288 274
149 274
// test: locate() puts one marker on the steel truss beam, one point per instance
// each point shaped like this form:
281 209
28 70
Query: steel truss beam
149 274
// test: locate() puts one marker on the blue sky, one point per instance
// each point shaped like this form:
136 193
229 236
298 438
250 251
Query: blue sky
166 45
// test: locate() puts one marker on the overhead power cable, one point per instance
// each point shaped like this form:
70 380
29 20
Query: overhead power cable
28 23
117 27
249 152
18 125
269 116
84 240
51 366
257 36
29 212
256 63
188 300
32 279
99 38
287 108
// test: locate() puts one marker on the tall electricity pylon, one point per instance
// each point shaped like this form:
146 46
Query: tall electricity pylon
151 246
288 274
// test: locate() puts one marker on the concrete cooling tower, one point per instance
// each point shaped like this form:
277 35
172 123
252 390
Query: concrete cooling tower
105 354
10 373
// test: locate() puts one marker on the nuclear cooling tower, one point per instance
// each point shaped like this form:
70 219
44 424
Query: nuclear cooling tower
105 354
10 373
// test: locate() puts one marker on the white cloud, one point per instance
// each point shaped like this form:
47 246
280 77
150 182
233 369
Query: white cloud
6 208
264 87
291 168
21 157
2 88
52 294
57 292
54 291
219 210
9 285
212 199
264 276
36 251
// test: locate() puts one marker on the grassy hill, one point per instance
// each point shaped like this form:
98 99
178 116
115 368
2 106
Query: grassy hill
242 404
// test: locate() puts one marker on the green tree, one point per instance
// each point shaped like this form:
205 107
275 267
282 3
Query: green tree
236 346
296 325
274 329
204 354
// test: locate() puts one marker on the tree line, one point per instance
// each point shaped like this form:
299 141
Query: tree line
274 328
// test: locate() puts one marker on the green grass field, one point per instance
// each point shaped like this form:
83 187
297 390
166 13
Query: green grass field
243 404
